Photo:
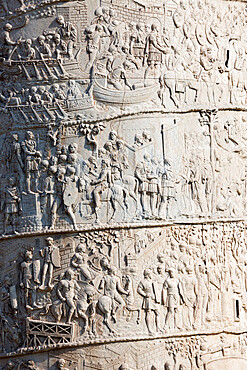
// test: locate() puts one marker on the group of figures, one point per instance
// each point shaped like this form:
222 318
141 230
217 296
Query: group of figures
199 58
123 167
62 180
197 280
54 44
122 179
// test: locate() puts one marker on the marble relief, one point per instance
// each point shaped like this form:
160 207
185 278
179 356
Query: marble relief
123 184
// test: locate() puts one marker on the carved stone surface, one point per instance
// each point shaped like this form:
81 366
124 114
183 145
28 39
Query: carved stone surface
123 184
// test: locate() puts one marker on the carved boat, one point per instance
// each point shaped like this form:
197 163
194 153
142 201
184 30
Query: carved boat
126 96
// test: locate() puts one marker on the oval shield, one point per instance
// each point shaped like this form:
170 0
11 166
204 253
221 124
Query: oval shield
70 194
55 257
13 297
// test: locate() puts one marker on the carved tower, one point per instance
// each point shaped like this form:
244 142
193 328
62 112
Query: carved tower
123 184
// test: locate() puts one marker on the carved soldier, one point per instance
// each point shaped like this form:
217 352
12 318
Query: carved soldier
58 195
8 297
146 288
70 194
202 296
79 262
153 47
31 161
94 34
101 183
43 48
67 33
14 160
111 286
27 51
141 175
172 296
11 205
26 280
51 257
66 292
7 46
58 46
190 292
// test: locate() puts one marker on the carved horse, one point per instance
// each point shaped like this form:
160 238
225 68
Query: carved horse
118 199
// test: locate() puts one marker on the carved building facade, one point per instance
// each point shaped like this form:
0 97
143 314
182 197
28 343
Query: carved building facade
123 184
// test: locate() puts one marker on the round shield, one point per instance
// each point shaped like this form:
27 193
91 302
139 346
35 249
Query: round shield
70 194
55 257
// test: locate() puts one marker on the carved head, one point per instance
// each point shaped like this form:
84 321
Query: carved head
15 137
60 363
12 181
182 247
69 274
147 273
147 157
33 90
161 257
171 272
41 89
49 241
112 270
81 248
113 135
10 365
146 135
98 12
93 160
57 38
60 20
73 148
8 27
41 39
108 146
28 255
28 42
105 163
120 144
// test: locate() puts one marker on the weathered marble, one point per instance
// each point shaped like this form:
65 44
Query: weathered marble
123 184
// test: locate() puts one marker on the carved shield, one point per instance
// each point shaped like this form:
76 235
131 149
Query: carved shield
13 297
36 270
55 257
70 194
200 35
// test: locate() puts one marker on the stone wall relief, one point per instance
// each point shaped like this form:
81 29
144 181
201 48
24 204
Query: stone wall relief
59 181
185 66
134 62
196 279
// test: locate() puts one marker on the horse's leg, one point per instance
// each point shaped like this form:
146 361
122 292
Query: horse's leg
84 317
114 209
106 321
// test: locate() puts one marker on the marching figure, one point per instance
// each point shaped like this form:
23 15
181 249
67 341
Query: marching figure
11 205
